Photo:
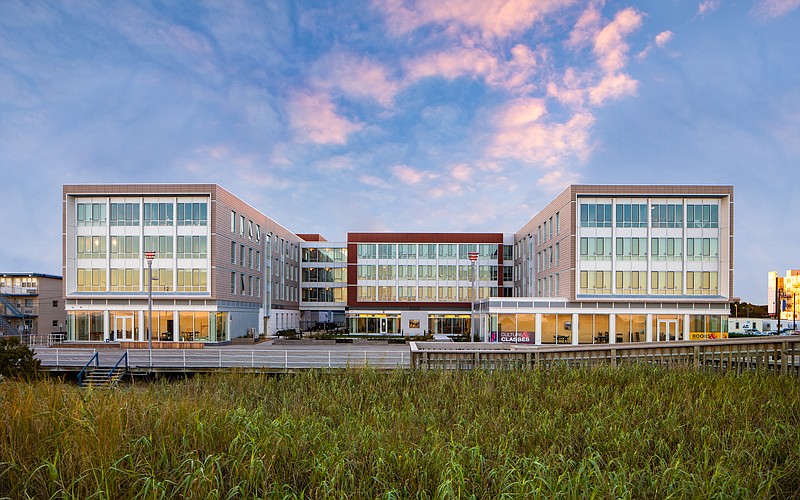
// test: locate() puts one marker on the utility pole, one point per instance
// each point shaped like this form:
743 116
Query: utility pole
150 256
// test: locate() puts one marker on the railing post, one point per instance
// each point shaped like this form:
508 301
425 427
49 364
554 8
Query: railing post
329 359
696 357
286 360
219 352
252 358
183 351
784 358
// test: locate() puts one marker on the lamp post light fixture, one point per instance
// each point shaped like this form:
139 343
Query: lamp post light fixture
149 256
473 257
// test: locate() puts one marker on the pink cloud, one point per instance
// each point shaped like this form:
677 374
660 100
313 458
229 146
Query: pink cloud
461 172
770 9
408 175
612 87
520 112
451 64
610 46
371 180
515 74
313 118
586 27
708 6
490 18
357 77
545 143
557 179
663 38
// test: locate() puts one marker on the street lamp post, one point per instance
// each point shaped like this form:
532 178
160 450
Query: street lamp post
150 256
473 257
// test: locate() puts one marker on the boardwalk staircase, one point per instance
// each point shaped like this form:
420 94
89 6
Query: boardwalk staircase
94 376
8 310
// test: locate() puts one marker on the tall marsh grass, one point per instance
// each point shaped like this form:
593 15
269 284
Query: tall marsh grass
629 433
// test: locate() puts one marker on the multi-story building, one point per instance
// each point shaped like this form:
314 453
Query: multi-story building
622 263
414 283
323 282
31 303
783 290
598 264
222 269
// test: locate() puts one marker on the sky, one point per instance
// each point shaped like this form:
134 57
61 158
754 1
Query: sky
398 115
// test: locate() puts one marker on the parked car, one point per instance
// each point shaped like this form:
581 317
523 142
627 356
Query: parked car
789 331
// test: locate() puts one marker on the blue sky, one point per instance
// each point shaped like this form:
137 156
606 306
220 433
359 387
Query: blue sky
435 115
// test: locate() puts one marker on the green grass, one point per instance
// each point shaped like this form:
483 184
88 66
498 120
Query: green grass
632 432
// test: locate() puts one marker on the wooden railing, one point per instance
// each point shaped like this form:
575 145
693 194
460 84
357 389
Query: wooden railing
779 354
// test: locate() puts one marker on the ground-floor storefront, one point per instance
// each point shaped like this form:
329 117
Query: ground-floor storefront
561 322
185 321
555 322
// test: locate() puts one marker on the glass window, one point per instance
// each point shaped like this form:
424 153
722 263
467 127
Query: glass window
91 247
407 250
465 248
162 245
666 215
191 280
91 214
192 247
447 250
233 221
702 216
487 251
427 251
125 247
595 282
366 251
596 248
631 215
595 215
195 214
387 251
91 280
158 214
124 214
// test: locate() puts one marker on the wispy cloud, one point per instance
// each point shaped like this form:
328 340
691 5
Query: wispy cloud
355 76
771 9
313 118
409 175
707 7
489 18
663 38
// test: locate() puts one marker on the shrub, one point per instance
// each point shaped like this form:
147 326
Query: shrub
16 360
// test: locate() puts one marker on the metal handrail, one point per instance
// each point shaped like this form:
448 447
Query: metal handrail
125 357
96 359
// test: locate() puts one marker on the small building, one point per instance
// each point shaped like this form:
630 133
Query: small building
31 303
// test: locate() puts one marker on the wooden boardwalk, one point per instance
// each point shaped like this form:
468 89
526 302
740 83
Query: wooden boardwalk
778 354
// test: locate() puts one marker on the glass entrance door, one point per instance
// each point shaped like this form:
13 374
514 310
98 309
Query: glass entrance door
124 328
667 330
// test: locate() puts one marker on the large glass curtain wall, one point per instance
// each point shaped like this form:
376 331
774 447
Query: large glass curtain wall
193 326
375 324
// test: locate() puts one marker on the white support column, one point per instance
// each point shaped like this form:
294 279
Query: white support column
106 329
574 329
648 328
142 325
176 328
538 326
686 332
612 328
